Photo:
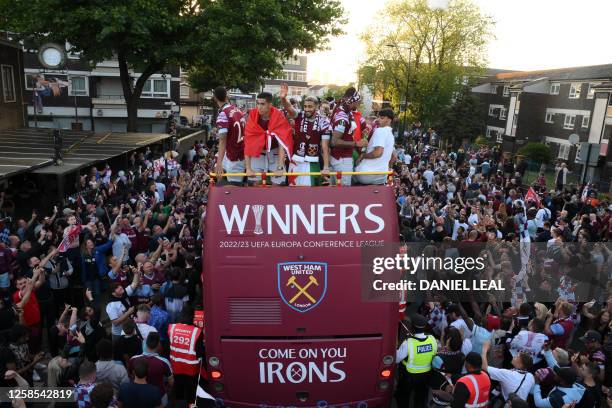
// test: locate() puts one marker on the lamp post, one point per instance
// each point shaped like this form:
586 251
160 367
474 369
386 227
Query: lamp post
407 88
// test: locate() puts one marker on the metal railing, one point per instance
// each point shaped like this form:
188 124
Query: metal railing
337 174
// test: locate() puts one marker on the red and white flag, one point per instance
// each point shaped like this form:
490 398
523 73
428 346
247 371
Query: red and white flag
532 196
69 238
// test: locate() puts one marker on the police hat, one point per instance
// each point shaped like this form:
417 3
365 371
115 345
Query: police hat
418 321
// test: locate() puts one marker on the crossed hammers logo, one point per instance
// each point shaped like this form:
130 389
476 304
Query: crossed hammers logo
302 289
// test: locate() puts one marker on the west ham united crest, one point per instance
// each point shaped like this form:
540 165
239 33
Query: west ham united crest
302 285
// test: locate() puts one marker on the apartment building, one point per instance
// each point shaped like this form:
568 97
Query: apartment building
11 77
294 74
80 97
548 106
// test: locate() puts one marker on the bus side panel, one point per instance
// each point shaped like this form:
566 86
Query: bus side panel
270 279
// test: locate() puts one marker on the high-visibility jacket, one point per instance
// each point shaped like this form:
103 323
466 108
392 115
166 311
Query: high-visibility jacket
183 356
420 354
198 318
479 386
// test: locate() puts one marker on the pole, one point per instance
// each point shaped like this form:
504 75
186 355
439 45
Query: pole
586 164
407 90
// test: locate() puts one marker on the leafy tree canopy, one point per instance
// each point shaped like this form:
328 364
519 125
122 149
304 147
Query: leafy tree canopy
423 55
236 42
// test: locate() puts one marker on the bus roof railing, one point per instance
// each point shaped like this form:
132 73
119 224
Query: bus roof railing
337 174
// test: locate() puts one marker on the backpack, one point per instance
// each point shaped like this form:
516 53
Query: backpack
546 216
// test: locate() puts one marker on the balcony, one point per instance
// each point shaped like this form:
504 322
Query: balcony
108 100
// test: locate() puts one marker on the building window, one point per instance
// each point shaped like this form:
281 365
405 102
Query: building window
494 89
574 92
577 157
550 118
155 88
293 61
502 113
563 151
500 137
491 110
77 86
570 122
184 91
585 121
506 90
591 92
8 83
554 88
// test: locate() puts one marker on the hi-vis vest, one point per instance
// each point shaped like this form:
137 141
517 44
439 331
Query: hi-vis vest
183 348
478 385
420 354
198 318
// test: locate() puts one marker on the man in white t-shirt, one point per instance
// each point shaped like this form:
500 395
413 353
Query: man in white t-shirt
429 175
379 152
517 381
542 215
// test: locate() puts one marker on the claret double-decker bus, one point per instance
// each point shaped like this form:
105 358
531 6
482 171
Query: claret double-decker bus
286 325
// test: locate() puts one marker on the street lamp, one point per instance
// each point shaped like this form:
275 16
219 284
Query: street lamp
403 127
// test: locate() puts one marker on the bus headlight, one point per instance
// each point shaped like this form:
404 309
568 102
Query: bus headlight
388 360
383 385
213 361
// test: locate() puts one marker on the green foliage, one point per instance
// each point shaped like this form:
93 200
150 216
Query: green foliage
537 152
229 42
482 141
464 119
247 40
336 92
423 54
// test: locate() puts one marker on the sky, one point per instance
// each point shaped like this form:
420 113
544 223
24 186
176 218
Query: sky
530 35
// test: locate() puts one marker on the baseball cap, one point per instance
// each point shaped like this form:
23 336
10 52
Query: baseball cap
591 336
68 211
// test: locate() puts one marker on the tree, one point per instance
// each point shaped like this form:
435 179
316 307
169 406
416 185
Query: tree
422 55
250 39
538 152
227 41
336 92
464 119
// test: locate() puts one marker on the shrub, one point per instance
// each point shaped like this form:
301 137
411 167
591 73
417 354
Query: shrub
482 141
537 152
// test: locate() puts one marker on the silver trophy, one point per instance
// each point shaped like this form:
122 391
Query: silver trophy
258 212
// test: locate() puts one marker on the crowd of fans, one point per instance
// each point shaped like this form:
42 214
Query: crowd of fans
546 342
88 291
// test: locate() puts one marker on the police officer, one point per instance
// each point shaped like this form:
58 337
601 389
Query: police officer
414 357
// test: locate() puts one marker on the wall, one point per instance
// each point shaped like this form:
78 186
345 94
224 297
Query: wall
11 113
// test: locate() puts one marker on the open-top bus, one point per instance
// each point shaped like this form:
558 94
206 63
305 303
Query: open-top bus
285 321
